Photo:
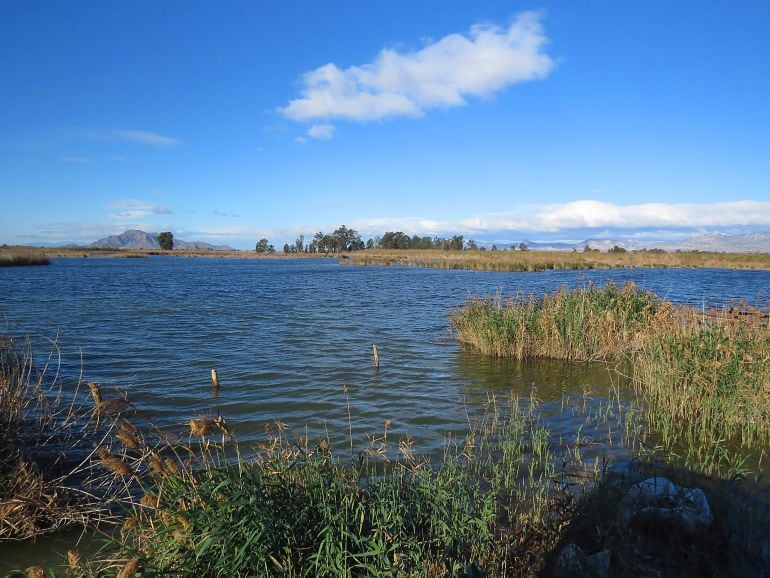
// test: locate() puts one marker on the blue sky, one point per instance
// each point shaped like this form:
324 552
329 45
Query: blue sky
228 122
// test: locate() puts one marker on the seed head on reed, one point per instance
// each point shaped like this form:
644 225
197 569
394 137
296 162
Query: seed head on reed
149 500
171 466
155 463
96 393
35 572
129 568
128 433
201 426
114 463
74 561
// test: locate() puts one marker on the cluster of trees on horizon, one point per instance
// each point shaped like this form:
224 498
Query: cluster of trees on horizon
344 239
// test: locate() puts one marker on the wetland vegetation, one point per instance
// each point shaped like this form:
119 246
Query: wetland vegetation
529 260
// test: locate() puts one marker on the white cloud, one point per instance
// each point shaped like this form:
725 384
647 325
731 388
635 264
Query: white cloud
591 215
321 131
148 138
440 75
136 209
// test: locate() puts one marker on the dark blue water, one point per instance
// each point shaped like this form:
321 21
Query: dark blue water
285 335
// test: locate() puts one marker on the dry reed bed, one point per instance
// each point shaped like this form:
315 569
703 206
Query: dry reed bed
46 482
523 261
703 376
11 256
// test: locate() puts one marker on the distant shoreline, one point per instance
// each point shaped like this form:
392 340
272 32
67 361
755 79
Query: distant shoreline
502 261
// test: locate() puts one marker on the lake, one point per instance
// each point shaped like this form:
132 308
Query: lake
285 335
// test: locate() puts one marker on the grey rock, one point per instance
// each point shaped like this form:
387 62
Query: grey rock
661 498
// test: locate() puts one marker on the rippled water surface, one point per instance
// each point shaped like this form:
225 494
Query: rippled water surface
285 335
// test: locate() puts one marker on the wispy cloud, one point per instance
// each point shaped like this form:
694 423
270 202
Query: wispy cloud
321 131
143 137
80 160
147 138
136 209
219 213
442 74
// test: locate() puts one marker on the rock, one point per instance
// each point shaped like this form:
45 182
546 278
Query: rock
573 563
600 563
662 499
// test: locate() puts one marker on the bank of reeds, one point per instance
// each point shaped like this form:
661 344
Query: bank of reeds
12 256
45 441
703 375
485 508
523 261
589 323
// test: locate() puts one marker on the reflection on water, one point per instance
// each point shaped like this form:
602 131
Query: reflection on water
550 379
286 335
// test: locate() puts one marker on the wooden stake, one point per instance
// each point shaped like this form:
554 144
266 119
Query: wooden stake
376 355
214 378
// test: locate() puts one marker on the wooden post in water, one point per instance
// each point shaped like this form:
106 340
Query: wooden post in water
214 378
376 355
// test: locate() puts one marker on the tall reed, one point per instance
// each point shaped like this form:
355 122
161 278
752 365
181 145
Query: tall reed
297 509
589 323
702 375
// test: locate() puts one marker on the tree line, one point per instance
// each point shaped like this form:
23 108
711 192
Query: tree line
345 239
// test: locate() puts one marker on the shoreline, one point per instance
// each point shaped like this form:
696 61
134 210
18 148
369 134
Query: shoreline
499 261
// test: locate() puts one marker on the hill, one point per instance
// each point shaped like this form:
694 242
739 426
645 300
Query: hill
135 239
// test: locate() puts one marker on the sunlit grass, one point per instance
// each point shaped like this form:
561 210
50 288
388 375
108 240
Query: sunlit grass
522 261
11 256
702 376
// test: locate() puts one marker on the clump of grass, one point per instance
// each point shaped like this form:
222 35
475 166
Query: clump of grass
486 506
706 385
12 256
702 376
590 323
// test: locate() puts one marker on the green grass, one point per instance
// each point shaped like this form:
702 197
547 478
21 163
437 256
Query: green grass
702 377
486 505
591 323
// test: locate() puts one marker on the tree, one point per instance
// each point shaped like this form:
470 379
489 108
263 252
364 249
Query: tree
347 239
456 243
263 246
299 244
286 248
471 245
166 240
523 246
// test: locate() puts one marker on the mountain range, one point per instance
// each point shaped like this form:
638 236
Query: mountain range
135 239
712 242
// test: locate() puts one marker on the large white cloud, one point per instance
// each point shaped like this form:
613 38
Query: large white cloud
442 74
592 215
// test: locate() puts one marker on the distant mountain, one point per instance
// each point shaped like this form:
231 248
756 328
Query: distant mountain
135 239
716 242
712 242
545 246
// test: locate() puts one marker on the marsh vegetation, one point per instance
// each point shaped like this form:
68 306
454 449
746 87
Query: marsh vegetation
529 260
